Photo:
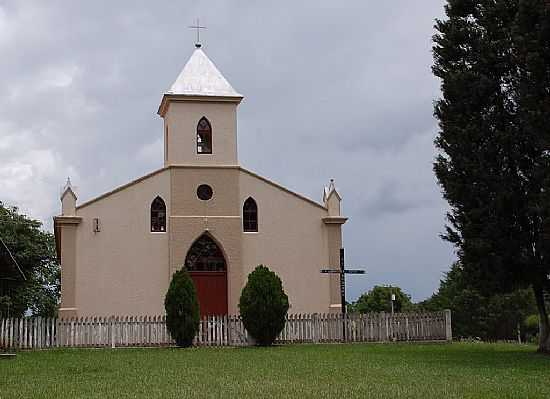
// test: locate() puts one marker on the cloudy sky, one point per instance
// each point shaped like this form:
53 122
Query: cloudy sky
332 89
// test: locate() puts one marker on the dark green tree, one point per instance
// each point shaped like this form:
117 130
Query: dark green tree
531 326
34 252
475 315
379 300
263 305
182 309
493 59
451 286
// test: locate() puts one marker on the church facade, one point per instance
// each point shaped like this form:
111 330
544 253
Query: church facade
202 211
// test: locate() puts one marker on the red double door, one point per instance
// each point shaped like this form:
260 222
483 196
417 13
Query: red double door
211 289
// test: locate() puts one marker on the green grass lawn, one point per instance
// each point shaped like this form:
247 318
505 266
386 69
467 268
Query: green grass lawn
319 371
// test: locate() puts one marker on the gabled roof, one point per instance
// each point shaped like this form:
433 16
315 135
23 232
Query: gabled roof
68 189
331 189
125 186
200 77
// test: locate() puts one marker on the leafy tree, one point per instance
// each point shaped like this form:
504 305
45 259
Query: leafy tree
493 59
379 300
474 314
507 312
182 309
34 251
263 305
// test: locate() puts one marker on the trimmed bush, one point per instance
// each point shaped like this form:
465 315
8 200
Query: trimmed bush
263 305
182 309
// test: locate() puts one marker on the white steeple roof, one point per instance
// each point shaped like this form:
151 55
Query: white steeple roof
200 77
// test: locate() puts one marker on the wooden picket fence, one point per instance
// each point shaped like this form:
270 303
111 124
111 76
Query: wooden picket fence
41 333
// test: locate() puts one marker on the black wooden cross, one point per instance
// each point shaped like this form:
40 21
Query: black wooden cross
342 271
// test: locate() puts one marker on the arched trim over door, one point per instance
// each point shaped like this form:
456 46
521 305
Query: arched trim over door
207 266
205 256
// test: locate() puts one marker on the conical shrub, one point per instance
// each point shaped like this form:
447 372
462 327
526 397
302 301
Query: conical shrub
182 309
263 305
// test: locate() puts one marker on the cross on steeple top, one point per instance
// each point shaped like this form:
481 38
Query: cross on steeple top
198 27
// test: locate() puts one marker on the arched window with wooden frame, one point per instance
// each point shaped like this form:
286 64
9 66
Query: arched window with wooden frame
158 216
250 216
204 137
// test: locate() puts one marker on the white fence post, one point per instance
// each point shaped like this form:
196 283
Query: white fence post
448 327
315 330
112 332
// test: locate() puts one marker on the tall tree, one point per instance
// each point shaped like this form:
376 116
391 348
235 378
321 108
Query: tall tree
493 59
27 250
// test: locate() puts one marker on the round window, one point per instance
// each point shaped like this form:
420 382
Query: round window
204 192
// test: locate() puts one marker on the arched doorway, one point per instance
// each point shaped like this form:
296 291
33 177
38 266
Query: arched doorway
206 265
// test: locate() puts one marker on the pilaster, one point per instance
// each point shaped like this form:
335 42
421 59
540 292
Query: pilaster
333 222
65 234
334 244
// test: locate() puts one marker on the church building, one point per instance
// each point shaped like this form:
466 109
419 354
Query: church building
202 211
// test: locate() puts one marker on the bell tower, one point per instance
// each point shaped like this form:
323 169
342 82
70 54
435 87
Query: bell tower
200 116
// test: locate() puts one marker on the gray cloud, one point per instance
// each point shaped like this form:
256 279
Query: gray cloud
331 89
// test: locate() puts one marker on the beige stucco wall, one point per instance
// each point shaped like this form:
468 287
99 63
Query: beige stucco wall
123 269
333 204
291 240
219 216
182 118
68 203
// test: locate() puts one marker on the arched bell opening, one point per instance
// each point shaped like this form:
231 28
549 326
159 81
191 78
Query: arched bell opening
204 137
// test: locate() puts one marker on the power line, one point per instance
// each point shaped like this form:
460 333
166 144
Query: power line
12 258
